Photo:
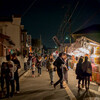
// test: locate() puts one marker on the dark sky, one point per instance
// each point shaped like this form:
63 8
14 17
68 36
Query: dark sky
45 16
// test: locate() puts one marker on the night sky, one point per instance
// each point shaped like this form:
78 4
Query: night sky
45 16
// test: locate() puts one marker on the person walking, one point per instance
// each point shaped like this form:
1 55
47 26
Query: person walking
16 74
87 72
50 68
39 65
33 66
65 70
79 73
58 63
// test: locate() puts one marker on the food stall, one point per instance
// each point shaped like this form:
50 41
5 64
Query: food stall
86 47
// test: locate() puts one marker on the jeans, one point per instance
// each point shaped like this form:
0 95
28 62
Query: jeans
87 82
51 73
66 76
39 70
11 83
17 81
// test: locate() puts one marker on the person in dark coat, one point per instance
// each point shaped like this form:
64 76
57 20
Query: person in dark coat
79 73
16 74
87 72
58 63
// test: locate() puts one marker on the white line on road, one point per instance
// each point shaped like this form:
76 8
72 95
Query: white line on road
69 92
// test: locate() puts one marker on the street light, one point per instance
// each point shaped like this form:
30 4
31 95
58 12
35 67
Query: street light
55 47
66 38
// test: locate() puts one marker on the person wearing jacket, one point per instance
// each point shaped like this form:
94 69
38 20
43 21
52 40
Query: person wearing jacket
16 75
39 65
79 73
50 68
87 72
58 63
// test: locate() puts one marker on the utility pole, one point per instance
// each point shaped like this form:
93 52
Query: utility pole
40 43
70 30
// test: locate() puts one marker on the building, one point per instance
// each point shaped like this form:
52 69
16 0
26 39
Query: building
11 26
24 46
91 32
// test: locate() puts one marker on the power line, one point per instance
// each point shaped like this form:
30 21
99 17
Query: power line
29 8
71 15
87 21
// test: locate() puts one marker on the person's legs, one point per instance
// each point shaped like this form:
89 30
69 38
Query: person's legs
66 76
88 81
51 76
2 83
83 83
40 71
7 87
17 82
60 80
12 87
79 81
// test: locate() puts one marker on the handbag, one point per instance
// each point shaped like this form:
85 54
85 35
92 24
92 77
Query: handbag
89 71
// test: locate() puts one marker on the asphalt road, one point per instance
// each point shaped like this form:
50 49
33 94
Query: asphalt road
39 88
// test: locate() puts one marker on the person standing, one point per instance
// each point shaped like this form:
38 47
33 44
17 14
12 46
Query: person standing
39 65
87 72
58 63
4 77
16 74
65 70
79 73
10 77
50 68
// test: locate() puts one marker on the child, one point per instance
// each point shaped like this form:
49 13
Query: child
33 66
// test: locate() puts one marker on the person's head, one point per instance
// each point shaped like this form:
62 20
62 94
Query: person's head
63 55
86 58
80 60
51 56
8 58
14 56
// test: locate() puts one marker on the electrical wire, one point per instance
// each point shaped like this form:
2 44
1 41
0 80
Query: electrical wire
87 21
28 8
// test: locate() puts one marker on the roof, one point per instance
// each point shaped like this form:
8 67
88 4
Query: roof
91 32
91 29
4 19
6 38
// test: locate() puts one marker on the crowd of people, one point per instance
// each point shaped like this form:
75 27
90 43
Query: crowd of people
10 76
9 70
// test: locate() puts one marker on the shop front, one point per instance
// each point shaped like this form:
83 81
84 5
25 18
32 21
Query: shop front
86 47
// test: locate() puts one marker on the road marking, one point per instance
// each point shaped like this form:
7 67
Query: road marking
69 92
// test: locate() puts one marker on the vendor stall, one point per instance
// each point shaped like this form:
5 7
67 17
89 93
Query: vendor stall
86 47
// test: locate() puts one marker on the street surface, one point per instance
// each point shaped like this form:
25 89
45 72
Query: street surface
39 88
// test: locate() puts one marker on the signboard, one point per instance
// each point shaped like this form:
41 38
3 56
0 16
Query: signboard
55 39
